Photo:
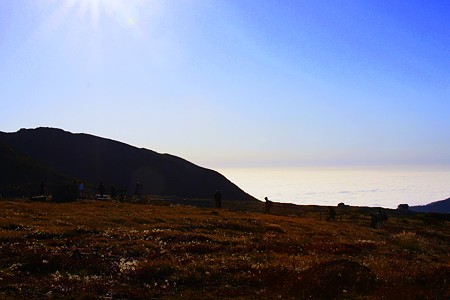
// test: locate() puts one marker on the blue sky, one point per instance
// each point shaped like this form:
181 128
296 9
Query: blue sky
235 83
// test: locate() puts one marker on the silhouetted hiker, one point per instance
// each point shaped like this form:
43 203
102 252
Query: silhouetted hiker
374 222
138 189
113 192
101 190
268 205
218 199
378 218
331 214
81 190
383 216
42 189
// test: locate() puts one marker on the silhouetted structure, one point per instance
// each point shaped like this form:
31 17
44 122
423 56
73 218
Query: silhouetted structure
268 205
218 199
342 205
403 207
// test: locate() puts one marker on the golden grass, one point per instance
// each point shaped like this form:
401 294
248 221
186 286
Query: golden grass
112 250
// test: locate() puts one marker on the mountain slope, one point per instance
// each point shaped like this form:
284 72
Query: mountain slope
96 160
17 168
442 206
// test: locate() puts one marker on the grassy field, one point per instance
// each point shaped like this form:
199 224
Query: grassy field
113 250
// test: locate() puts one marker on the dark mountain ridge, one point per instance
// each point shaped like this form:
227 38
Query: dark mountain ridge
442 206
94 159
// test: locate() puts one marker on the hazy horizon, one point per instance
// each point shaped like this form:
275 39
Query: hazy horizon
355 186
232 83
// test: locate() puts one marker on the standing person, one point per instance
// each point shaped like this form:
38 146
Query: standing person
42 189
218 199
382 217
113 192
378 218
138 189
101 190
268 205
81 190
374 220
331 214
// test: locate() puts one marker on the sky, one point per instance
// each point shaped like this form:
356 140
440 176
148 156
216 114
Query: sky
245 83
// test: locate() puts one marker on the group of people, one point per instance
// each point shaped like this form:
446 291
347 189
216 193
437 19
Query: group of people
377 218
102 191
113 192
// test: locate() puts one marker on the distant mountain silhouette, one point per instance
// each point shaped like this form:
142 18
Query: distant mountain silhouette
32 154
442 206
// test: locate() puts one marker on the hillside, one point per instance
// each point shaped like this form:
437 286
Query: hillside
17 168
111 250
442 206
95 159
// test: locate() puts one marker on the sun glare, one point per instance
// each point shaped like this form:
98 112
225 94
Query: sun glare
125 13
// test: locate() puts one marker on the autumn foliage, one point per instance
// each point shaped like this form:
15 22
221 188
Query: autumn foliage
113 250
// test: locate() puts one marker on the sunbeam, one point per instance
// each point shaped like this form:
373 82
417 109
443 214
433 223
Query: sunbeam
123 13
